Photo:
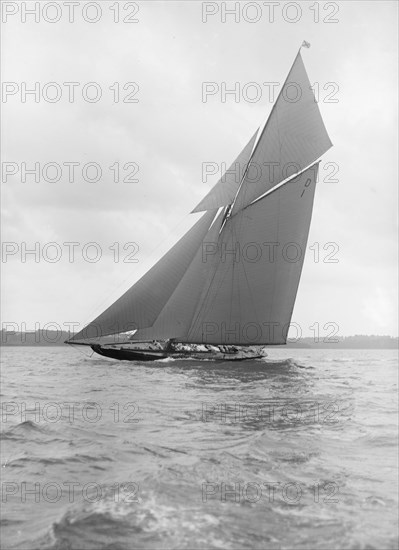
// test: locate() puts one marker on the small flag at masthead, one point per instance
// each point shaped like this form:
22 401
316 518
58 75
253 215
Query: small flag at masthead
305 44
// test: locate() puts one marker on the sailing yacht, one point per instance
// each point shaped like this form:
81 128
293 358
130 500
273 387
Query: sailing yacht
227 288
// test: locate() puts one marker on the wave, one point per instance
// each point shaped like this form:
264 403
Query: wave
28 426
165 360
116 524
23 429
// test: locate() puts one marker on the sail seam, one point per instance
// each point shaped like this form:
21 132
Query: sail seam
202 300
202 310
275 263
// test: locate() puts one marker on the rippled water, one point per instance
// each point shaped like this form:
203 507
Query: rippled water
295 451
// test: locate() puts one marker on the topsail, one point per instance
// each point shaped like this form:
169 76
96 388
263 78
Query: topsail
293 138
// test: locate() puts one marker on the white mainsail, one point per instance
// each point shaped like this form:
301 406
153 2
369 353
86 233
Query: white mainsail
233 279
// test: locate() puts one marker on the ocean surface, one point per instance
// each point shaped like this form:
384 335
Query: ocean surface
298 450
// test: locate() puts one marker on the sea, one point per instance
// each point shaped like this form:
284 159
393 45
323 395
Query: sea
298 450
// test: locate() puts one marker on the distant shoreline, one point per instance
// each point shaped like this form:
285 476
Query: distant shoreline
43 338
282 346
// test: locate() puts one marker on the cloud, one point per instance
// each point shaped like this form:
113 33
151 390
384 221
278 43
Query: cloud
170 53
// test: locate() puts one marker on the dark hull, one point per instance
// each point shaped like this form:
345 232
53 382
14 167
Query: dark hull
144 355
129 355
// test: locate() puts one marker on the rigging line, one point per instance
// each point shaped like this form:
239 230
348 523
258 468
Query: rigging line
202 299
246 169
225 275
206 306
240 186
76 347
225 216
250 294
235 229
275 263
233 272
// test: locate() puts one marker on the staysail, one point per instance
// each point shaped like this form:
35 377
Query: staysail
142 303
226 188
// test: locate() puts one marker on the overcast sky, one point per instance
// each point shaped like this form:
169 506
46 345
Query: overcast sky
169 53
